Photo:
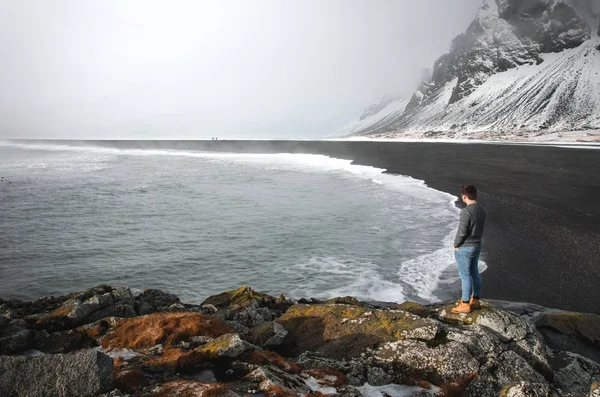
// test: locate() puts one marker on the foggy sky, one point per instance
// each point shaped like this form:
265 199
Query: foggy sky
225 68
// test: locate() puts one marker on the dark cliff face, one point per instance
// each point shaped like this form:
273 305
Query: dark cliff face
505 34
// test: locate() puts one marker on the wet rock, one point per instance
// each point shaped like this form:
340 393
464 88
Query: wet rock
85 373
273 379
343 331
157 299
14 339
143 308
575 332
3 320
229 303
98 302
414 308
226 346
268 335
346 300
59 342
574 373
123 296
525 389
118 310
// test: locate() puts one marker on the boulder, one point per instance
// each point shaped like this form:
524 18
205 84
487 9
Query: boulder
3 320
157 299
574 373
59 342
81 374
14 339
568 331
246 299
226 346
343 331
273 380
268 335
525 389
414 359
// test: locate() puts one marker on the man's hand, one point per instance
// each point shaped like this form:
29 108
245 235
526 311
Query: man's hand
455 249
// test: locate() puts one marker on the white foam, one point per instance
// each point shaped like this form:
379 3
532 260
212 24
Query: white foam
352 277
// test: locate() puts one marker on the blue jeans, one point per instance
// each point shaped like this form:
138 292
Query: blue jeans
468 270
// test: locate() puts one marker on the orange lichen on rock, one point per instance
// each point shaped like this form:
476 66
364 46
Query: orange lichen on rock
165 328
268 357
456 389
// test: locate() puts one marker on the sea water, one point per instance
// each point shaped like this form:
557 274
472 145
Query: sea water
199 223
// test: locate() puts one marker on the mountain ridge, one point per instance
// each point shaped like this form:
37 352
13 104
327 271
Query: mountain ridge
521 68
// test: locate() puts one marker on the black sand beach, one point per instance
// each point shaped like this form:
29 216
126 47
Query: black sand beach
542 238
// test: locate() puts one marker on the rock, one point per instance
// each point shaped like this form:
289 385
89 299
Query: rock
59 342
414 308
175 308
346 300
71 313
574 373
507 327
272 379
123 296
14 339
114 393
505 368
525 389
413 359
342 331
3 320
226 346
245 299
575 332
81 374
595 389
268 335
196 341
157 299
252 316
143 308
190 388
118 310
98 302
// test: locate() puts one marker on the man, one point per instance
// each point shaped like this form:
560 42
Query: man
467 247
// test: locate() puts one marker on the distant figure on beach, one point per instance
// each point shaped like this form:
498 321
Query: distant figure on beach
467 247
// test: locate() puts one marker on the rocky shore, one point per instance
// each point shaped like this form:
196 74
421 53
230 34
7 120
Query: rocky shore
107 342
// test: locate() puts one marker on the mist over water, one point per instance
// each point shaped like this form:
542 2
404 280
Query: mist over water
196 224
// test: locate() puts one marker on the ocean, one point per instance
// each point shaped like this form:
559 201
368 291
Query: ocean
198 223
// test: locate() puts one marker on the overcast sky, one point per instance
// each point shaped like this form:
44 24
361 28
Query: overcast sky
198 69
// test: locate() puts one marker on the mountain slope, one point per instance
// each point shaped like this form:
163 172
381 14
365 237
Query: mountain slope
521 67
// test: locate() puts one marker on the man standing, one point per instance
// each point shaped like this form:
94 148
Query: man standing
467 247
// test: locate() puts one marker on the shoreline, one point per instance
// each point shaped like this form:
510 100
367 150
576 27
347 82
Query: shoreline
542 236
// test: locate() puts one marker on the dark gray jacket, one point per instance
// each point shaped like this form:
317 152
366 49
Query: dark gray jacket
470 228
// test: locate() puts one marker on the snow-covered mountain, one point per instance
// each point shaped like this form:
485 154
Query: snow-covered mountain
522 66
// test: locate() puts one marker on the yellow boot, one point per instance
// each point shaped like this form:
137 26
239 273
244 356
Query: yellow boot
462 307
475 303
